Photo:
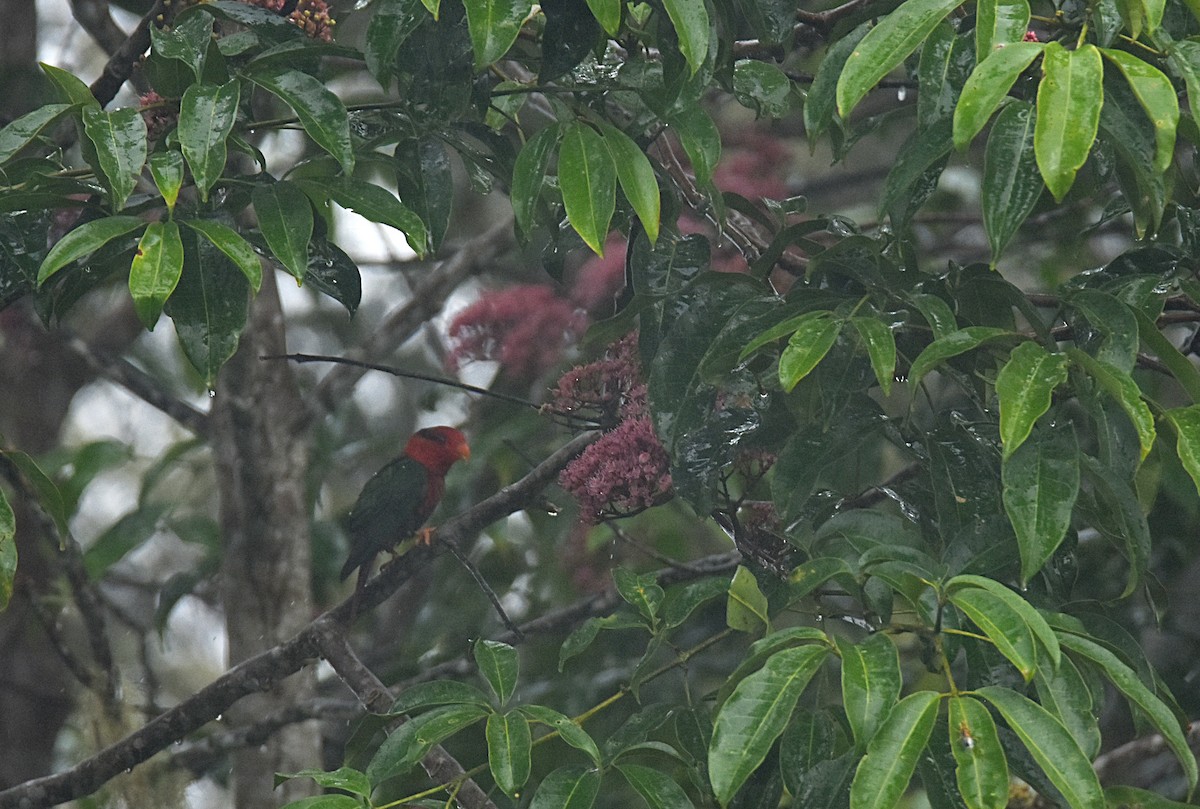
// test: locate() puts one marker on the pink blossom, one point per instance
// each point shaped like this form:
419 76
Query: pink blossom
600 279
312 16
525 328
622 473
611 387
159 114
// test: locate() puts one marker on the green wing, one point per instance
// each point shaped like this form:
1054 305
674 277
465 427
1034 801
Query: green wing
391 507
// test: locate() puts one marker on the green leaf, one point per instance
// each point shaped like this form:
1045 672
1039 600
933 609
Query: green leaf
980 766
437 692
607 13
1024 386
755 715
231 243
1134 798
155 271
120 141
377 204
187 40
763 649
568 729
1180 366
509 743
206 117
24 130
808 345
1186 422
1121 387
1117 514
1066 694
914 173
746 609
567 788
1012 184
1110 333
951 345
424 178
392 21
690 18
987 86
1128 683
8 551
700 139
1032 618
493 26
85 239
657 788
209 307
884 772
1157 97
346 778
48 495
1184 56
870 683
636 176
821 102
886 46
529 176
68 87
999 23
286 221
937 313
499 665
1041 483
410 742
321 113
881 348
683 599
167 170
1003 625
326 802
588 179
1051 746
1068 113
764 88
639 591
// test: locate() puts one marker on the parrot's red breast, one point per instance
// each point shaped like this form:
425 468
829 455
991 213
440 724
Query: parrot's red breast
401 496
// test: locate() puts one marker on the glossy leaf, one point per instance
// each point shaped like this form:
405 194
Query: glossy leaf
85 239
1012 184
392 22
48 495
286 221
881 349
568 729
493 26
509 743
699 138
1108 330
437 692
747 606
870 683
1033 619
1003 625
206 117
346 778
987 86
692 28
186 40
499 665
1128 683
951 345
755 714
321 113
947 59
913 175
763 649
529 176
981 768
937 313
659 790
1184 56
167 170
69 87
639 591
1051 746
24 130
410 742
886 46
231 243
377 204
1121 387
567 788
884 772
808 345
1134 798
155 270
209 307
636 176
607 13
821 103
8 551
999 23
588 179
1157 97
1116 513
764 88
1186 422
1041 483
1066 694
119 138
1068 113
425 181
1024 387
1180 366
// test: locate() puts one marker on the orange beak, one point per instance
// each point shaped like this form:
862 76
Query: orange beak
464 451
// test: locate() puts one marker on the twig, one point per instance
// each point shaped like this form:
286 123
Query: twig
438 764
93 17
483 585
120 65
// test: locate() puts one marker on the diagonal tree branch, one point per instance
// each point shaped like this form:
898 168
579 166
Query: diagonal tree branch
120 64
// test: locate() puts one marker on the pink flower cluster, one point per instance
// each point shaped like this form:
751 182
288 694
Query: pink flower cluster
159 114
312 16
627 469
525 328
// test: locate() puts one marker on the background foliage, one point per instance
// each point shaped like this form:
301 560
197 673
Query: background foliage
948 421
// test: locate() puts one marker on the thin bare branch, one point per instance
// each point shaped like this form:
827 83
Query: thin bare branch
121 63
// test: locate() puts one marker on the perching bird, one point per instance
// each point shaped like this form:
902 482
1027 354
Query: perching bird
399 498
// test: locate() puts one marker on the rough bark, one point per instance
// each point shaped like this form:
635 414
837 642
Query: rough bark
261 450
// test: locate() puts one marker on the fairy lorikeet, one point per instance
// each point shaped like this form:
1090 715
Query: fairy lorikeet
399 498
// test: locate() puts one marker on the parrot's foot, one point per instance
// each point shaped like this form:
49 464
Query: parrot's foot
425 536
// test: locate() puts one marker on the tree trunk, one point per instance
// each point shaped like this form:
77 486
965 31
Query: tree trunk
261 448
